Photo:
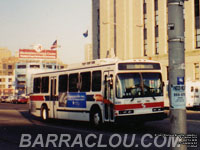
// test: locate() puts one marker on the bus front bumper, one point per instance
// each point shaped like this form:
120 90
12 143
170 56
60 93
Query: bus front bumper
142 117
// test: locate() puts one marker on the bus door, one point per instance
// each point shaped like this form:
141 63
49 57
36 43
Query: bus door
108 96
53 96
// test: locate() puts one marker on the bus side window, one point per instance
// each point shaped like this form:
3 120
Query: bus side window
85 81
96 81
36 85
73 82
45 85
111 86
105 86
192 89
63 82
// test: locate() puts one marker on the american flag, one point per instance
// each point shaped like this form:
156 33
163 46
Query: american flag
54 45
85 34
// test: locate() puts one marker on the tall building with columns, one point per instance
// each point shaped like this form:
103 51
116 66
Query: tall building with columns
132 29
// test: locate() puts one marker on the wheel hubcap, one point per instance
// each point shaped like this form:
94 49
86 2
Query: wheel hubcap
44 114
96 119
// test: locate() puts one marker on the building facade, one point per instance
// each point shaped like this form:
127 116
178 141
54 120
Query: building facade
5 53
15 72
138 29
88 52
7 73
24 70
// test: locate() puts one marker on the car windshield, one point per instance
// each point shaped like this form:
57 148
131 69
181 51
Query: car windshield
131 85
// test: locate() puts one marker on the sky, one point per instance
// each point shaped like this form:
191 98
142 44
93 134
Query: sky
24 23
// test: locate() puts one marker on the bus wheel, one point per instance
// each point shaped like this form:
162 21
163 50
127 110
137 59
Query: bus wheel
96 118
44 113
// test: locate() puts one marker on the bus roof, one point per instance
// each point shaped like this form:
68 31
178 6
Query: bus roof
97 62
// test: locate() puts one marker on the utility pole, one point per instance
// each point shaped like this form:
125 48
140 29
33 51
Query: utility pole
176 69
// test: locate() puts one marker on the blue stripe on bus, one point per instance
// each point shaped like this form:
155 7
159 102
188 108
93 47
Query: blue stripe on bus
88 98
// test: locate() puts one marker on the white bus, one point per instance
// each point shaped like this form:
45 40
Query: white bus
105 90
192 94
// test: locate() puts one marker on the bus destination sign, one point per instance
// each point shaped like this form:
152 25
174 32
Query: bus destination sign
139 66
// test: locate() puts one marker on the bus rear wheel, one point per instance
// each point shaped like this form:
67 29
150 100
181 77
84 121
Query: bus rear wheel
96 118
44 113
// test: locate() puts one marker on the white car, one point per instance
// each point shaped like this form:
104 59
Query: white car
10 99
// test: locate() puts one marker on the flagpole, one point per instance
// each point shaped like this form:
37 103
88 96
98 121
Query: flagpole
55 47
57 54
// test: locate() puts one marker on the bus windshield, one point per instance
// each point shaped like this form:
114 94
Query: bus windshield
131 85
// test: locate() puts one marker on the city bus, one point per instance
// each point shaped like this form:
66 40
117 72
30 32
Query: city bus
100 91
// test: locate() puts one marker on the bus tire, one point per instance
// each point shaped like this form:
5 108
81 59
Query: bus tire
96 117
44 113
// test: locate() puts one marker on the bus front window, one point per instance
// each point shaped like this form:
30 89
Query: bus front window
132 85
128 85
152 83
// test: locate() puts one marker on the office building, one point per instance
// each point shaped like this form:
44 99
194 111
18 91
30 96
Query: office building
138 29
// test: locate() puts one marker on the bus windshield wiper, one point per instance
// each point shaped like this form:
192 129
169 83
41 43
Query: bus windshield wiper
153 97
133 97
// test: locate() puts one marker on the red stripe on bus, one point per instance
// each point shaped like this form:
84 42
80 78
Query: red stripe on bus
135 106
159 104
99 98
37 98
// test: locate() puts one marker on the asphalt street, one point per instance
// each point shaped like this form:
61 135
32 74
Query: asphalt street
20 130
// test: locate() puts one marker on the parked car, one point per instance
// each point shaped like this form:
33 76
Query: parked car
3 98
22 99
14 99
8 99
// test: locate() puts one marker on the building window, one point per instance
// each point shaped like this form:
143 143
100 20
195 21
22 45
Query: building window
21 76
156 40
4 66
9 79
2 80
157 46
196 71
3 86
21 67
145 47
144 7
10 67
156 27
145 29
145 33
49 66
156 31
156 5
197 23
21 82
145 41
35 66
10 73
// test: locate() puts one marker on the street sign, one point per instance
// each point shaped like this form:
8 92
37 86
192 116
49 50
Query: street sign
178 97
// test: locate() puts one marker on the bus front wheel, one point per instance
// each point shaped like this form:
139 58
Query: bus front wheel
95 118
44 113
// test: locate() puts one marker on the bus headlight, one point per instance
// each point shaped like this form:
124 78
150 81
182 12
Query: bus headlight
126 112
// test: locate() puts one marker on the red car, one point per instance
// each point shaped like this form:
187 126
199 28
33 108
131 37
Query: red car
23 100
